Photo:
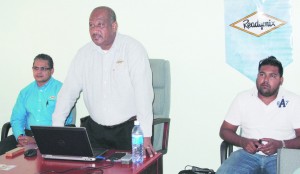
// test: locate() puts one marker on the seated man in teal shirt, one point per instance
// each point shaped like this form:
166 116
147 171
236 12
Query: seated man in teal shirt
35 104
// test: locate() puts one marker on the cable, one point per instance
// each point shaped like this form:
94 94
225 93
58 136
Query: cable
100 168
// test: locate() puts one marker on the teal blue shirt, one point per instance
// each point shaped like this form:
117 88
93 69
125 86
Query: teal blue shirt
35 106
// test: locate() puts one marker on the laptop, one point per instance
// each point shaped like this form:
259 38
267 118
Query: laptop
67 143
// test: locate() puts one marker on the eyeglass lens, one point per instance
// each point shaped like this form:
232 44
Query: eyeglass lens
36 68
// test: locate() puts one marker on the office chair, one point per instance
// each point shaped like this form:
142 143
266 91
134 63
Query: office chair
161 82
225 150
5 129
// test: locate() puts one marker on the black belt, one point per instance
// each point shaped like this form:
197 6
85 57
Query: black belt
129 120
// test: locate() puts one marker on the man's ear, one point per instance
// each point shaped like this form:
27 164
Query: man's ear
281 81
115 26
52 71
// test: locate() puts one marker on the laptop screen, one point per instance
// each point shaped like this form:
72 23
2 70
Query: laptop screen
65 141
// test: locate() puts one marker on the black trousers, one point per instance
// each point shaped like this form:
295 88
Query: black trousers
110 137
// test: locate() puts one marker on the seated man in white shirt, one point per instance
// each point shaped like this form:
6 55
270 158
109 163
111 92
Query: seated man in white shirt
270 119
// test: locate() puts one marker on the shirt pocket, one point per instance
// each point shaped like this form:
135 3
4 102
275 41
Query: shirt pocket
50 104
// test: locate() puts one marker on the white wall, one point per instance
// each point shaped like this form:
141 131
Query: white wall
190 34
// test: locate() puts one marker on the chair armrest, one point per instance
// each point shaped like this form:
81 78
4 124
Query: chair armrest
225 150
166 127
5 130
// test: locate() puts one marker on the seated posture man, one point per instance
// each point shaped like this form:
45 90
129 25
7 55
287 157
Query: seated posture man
269 117
35 104
113 72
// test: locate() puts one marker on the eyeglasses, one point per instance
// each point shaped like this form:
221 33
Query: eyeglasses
35 68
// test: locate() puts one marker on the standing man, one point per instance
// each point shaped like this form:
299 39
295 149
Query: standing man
35 105
269 117
113 72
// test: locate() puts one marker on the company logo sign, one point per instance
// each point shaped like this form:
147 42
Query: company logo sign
258 24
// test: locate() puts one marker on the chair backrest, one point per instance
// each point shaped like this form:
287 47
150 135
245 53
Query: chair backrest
161 81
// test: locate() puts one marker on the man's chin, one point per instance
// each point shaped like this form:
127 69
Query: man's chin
97 41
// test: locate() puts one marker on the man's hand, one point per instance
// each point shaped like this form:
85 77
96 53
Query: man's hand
250 145
270 146
25 140
148 148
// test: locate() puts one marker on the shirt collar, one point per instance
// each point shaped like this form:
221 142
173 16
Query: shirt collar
46 84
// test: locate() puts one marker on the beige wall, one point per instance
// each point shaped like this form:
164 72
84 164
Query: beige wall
190 34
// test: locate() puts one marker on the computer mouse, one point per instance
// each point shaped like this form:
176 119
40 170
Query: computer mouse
30 153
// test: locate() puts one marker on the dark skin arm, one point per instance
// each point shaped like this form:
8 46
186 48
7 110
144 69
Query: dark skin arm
270 147
148 147
228 133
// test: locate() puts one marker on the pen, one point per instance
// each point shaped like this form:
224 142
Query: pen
47 103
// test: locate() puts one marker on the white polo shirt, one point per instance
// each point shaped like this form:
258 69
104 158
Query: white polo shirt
258 120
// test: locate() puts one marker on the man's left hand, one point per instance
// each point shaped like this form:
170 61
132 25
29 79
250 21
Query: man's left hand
148 148
270 146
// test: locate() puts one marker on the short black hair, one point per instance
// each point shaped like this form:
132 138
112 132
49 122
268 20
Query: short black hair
44 57
271 61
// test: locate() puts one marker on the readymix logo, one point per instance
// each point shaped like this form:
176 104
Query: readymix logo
258 24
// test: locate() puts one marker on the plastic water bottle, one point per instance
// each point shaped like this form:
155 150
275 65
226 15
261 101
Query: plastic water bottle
137 143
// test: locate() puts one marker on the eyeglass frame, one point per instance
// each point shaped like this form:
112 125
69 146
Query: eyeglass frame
36 68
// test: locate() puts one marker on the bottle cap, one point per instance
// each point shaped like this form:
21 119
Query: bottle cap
136 122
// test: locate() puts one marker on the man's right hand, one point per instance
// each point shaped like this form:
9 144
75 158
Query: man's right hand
250 145
25 140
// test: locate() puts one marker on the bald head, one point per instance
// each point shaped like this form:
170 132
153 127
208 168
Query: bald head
110 13
103 27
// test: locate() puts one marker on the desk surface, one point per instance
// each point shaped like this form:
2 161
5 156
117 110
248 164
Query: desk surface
38 165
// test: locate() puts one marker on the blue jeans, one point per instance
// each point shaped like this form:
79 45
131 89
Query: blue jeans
242 162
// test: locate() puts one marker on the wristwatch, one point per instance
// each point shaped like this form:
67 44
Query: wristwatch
283 143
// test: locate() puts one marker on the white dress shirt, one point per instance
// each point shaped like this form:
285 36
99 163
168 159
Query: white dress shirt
116 84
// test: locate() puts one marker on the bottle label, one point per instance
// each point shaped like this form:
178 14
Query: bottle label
137 139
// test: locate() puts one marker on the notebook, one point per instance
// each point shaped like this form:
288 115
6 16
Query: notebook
67 143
